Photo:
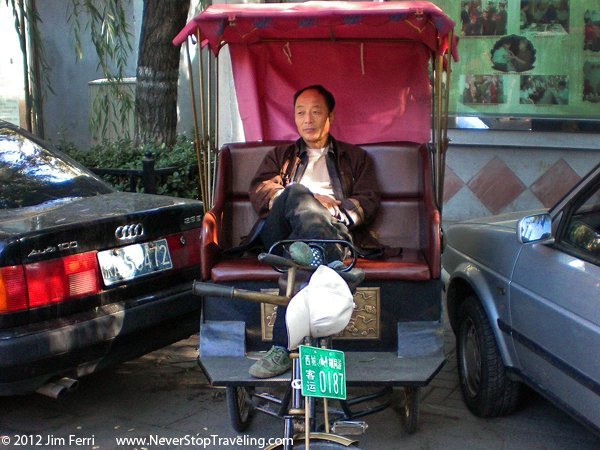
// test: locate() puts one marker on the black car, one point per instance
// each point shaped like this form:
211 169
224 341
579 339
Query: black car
89 276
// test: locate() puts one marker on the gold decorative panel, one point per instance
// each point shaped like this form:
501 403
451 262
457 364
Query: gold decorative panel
364 323
267 316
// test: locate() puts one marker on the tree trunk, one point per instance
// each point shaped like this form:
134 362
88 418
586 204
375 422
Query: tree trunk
158 72
37 92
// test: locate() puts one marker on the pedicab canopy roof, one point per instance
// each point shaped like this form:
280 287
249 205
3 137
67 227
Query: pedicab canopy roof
372 56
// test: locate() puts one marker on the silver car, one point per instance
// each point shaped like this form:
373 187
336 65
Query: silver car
523 298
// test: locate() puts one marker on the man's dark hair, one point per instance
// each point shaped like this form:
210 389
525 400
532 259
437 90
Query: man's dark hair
328 96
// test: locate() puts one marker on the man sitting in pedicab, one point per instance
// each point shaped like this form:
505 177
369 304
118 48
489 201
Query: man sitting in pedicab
316 188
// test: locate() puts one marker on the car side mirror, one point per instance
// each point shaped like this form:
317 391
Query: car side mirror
535 228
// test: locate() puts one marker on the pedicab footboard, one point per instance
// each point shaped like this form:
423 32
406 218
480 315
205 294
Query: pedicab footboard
362 369
403 353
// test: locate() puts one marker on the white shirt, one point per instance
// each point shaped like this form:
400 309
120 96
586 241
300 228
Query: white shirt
316 176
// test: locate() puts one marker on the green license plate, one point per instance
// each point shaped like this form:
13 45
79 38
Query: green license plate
322 372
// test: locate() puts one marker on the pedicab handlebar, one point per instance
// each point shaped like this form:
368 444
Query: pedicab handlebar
229 292
216 290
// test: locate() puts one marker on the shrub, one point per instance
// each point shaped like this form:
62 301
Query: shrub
123 154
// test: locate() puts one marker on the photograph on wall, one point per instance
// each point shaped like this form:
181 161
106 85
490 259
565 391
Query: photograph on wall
545 16
482 89
591 31
513 54
483 17
591 82
544 90
539 61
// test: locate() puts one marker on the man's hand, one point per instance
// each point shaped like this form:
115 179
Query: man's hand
332 205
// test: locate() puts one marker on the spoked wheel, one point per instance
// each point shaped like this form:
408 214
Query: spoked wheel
409 409
323 445
320 445
239 407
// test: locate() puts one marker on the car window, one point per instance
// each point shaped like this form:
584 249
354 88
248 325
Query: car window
583 227
31 174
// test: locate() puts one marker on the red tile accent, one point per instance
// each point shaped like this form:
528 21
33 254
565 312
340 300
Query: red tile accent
452 184
556 182
496 185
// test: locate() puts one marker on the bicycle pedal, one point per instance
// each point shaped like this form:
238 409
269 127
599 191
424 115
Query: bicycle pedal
266 409
349 427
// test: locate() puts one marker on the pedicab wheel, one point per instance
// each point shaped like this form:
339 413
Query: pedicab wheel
324 445
409 409
239 407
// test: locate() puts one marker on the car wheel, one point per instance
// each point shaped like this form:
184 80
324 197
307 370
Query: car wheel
485 386
239 407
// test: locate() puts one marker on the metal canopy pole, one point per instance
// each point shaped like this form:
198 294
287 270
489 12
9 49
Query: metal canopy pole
203 119
445 142
432 147
438 125
216 124
447 91
195 119
208 124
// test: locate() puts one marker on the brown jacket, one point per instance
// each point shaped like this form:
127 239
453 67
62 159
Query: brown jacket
352 176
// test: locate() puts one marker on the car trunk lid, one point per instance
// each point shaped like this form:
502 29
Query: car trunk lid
87 247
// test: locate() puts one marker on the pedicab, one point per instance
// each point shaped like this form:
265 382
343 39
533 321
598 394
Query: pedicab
388 65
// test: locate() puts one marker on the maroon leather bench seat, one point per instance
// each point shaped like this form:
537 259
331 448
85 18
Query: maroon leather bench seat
407 216
411 265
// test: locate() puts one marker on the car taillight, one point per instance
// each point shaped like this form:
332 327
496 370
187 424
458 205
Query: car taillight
185 248
62 279
13 290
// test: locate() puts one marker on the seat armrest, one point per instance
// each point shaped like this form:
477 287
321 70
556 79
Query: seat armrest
210 249
431 243
433 249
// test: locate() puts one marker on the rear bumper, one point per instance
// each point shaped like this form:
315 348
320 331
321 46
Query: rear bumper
87 342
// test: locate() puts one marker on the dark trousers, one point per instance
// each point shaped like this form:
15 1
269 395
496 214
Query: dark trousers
297 214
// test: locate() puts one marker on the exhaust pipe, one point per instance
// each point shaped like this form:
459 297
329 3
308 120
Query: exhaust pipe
58 388
52 390
70 384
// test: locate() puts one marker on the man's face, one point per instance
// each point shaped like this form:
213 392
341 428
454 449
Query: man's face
312 118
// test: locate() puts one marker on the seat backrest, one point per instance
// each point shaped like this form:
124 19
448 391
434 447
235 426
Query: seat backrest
399 168
237 165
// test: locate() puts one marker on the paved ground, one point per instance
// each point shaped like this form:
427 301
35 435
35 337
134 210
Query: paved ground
165 395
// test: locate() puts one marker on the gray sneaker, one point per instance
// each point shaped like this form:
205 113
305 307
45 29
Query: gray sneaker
275 362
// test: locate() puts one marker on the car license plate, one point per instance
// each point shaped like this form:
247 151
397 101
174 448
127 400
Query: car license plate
134 261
